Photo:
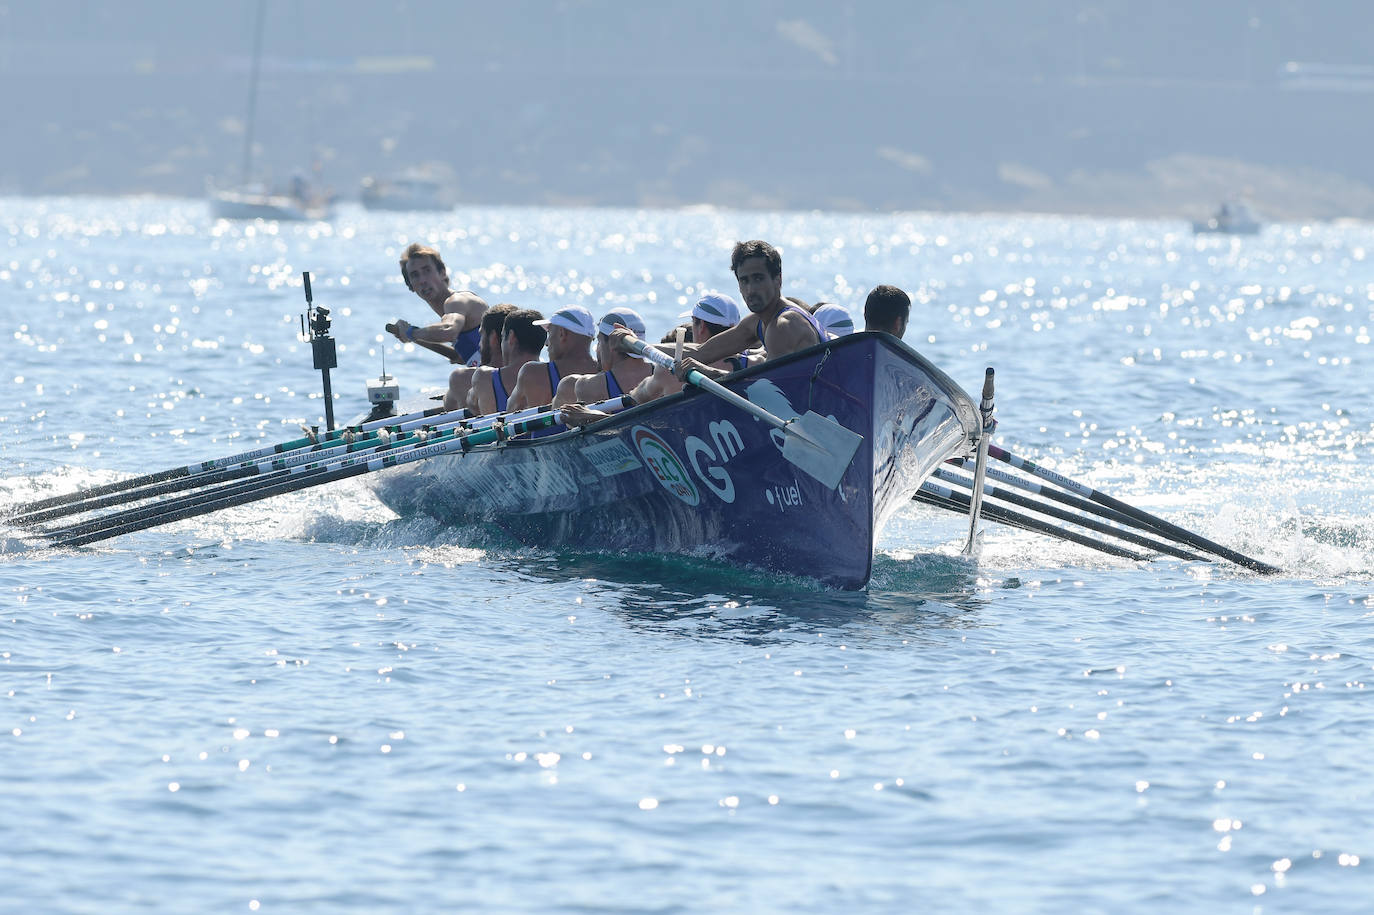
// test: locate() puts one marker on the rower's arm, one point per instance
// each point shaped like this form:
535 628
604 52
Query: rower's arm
468 307
729 342
567 391
526 388
481 382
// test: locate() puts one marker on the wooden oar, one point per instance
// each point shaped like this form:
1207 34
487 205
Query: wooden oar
944 497
1159 525
173 473
303 477
1081 520
819 446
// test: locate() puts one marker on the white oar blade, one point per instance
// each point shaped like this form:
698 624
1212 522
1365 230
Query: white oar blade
821 447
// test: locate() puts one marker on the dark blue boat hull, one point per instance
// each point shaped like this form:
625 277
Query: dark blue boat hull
693 474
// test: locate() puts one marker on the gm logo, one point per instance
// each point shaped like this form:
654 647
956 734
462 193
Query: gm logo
664 464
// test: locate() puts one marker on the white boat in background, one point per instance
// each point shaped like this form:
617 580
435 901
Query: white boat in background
254 199
1232 218
257 202
429 187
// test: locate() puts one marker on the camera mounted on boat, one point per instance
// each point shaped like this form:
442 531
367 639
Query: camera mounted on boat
321 345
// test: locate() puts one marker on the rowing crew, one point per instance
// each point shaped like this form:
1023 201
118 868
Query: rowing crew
500 346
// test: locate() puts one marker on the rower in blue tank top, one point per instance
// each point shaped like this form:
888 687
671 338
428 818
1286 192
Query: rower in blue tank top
782 326
457 334
521 338
620 371
571 330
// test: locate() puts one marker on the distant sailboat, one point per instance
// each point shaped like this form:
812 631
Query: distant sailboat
253 199
1232 218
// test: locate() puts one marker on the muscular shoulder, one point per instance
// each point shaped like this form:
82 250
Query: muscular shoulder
532 370
789 333
587 389
465 303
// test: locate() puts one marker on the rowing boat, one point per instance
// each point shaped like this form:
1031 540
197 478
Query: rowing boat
691 473
792 466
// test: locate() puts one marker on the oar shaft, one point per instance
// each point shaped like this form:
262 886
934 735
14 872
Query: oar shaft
403 450
944 497
1159 524
1081 520
254 454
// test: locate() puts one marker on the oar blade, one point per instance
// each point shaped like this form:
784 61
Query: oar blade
820 447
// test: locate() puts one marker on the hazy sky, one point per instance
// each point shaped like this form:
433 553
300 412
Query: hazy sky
803 102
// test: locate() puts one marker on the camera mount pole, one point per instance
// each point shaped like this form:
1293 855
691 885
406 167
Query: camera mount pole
321 346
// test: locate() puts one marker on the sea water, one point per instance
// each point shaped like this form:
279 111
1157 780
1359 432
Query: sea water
310 704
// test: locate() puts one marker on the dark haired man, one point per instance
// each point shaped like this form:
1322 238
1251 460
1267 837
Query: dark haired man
456 335
522 339
460 379
782 326
887 309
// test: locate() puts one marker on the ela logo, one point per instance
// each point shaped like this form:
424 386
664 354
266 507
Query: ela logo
664 465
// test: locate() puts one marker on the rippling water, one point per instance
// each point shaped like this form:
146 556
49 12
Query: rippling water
309 703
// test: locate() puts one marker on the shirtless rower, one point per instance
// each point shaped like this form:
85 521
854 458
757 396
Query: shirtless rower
620 371
782 326
522 339
456 335
571 330
460 379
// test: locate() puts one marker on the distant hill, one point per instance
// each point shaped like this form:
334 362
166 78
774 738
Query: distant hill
1102 107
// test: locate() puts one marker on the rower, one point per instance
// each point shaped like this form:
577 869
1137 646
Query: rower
835 320
456 334
522 339
460 379
571 330
782 326
887 309
713 314
620 370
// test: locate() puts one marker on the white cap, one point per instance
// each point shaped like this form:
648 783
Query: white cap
624 316
575 318
714 308
834 320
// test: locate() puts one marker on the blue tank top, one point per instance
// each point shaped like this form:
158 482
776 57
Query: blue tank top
612 387
554 378
468 342
799 310
498 387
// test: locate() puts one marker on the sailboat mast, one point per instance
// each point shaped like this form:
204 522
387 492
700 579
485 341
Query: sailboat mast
253 96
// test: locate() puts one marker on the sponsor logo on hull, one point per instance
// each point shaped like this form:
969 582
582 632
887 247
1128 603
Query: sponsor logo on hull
665 465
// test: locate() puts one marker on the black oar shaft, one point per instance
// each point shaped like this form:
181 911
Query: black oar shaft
943 497
1081 520
255 454
403 450
259 476
1159 524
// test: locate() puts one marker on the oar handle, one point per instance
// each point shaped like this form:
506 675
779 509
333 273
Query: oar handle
660 358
